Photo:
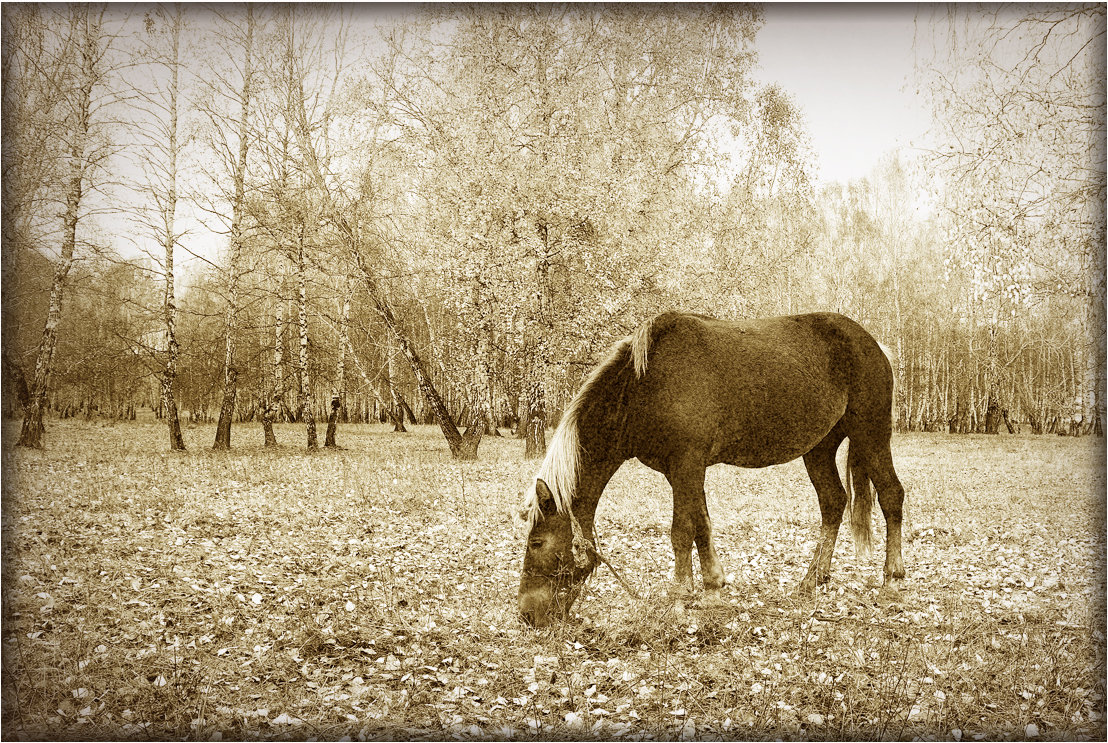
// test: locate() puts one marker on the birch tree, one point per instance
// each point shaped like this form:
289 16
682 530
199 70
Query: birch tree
274 401
227 105
71 74
560 144
307 399
1018 95
160 149
33 70
346 209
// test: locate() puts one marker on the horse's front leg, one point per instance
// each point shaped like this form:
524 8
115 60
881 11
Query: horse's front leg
681 536
691 524
710 569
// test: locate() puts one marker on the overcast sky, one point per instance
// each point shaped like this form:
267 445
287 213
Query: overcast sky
849 68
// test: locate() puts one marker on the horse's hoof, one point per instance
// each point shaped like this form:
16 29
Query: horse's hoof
681 590
891 588
711 598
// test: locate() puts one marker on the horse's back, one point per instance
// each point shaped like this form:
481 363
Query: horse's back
747 392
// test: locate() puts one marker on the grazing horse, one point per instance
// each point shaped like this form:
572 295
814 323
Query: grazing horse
688 391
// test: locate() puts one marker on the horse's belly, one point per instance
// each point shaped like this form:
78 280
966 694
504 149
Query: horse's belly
744 454
769 440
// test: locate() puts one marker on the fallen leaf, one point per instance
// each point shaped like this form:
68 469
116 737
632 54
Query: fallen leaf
285 719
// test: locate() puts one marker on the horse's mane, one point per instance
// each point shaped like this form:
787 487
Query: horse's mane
563 456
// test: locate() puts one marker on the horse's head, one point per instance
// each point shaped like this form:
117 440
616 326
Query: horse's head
556 563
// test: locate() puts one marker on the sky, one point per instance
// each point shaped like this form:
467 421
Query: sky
849 68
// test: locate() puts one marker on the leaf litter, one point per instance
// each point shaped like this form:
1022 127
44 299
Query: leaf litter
369 593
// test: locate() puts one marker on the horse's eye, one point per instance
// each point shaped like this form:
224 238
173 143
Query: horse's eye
536 544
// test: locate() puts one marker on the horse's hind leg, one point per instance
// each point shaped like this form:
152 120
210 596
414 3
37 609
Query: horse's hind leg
820 463
890 494
875 453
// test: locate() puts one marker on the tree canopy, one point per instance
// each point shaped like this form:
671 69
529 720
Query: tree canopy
451 214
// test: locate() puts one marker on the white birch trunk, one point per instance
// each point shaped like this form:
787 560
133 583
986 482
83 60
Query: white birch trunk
238 202
86 30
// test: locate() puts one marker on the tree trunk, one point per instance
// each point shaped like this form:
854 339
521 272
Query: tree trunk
430 393
481 384
519 431
338 398
230 374
332 424
227 405
169 375
407 409
267 424
459 448
397 409
307 400
992 414
88 29
273 404
173 421
535 435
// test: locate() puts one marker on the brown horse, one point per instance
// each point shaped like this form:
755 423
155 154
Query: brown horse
687 391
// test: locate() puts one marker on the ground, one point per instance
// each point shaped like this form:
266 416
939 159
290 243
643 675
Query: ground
371 593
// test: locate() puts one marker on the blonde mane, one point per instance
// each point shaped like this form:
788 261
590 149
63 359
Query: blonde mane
640 347
563 456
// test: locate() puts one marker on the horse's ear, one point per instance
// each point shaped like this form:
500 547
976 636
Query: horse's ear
547 504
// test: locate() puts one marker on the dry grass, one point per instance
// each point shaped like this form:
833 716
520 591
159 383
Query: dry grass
370 593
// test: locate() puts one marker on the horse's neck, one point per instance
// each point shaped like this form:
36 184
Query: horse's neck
600 435
593 478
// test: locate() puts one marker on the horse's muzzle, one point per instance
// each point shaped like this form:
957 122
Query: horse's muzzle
535 605
539 605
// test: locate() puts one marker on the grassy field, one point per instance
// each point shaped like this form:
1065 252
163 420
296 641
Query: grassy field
371 593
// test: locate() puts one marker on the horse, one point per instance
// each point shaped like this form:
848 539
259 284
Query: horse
686 391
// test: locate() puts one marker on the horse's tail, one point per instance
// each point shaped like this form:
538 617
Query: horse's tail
892 386
859 493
